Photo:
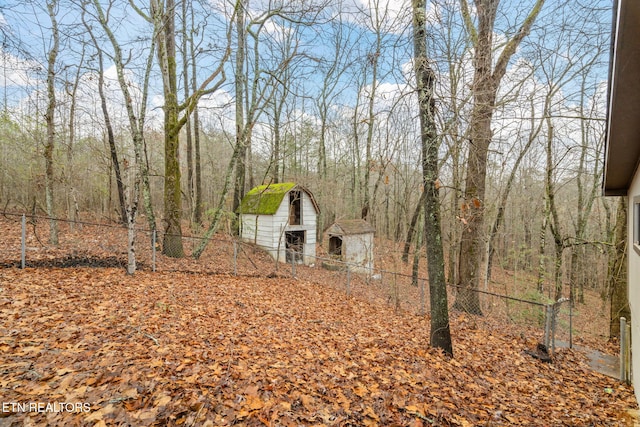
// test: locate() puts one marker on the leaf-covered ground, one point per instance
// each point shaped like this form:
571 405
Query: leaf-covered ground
189 349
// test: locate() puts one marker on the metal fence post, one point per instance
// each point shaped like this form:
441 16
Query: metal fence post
623 349
23 243
235 258
547 325
628 355
396 292
571 323
554 317
422 297
348 281
153 250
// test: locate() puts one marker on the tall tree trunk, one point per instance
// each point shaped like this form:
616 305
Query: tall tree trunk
486 81
484 95
412 227
415 270
586 198
197 204
163 17
132 215
322 146
618 285
277 139
557 269
72 202
140 147
49 178
188 125
454 233
356 170
440 336
241 171
552 211
373 61
136 128
542 245
111 140
172 245
239 182
472 238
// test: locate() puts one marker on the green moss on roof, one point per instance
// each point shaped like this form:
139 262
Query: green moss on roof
265 199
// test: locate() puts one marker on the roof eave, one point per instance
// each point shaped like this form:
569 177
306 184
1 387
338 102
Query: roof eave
622 146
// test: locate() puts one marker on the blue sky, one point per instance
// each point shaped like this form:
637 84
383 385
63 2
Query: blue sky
25 30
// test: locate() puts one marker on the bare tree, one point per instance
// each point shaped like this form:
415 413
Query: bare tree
176 114
136 129
164 17
242 134
195 119
332 70
268 64
534 131
487 79
111 140
71 90
52 6
440 336
187 39
571 75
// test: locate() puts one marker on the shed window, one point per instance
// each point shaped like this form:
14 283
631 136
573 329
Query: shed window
295 208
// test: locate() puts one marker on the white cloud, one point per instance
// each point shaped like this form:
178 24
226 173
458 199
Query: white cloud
387 16
18 72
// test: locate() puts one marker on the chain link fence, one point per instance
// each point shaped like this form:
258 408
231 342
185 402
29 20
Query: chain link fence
25 243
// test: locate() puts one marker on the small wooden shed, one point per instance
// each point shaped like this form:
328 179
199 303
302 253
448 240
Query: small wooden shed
281 218
351 241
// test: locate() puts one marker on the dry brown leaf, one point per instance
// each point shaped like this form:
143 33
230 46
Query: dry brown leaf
260 351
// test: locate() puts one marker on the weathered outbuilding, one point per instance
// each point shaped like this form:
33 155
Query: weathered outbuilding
281 218
351 241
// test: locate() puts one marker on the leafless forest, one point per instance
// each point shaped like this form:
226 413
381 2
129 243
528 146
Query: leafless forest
165 113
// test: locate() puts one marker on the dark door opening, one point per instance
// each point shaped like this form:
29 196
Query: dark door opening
335 246
295 246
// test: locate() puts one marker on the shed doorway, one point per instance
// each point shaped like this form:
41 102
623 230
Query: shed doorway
335 246
295 208
295 245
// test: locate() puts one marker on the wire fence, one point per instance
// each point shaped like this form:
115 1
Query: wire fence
25 243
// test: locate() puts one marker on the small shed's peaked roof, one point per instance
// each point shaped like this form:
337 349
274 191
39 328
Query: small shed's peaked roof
266 199
623 126
346 227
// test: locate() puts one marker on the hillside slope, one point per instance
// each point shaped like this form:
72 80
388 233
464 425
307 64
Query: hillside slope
195 349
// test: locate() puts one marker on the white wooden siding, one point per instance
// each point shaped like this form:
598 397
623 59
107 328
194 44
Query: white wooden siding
309 222
358 249
268 231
